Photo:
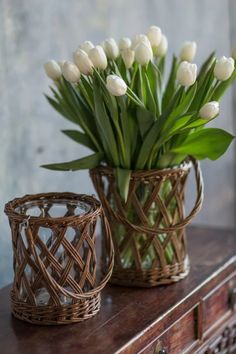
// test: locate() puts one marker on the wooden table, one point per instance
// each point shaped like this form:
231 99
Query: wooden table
195 315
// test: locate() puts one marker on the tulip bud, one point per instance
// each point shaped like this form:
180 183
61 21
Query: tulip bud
188 51
234 52
98 57
224 68
83 62
143 53
70 72
86 46
186 73
102 44
140 38
209 110
61 63
116 85
128 57
52 69
111 48
154 35
124 43
161 50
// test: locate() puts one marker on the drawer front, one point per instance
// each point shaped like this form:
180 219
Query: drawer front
178 338
224 341
218 304
200 323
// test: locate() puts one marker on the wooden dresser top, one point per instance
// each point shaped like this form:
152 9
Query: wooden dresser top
129 318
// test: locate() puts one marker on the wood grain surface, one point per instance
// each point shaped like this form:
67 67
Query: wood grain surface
31 32
133 320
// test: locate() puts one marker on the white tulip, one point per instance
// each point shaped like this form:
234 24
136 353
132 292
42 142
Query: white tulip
116 85
124 43
234 52
224 68
98 57
161 50
83 62
61 63
52 69
111 48
70 72
102 44
143 53
154 35
86 46
209 110
128 57
186 73
188 51
140 38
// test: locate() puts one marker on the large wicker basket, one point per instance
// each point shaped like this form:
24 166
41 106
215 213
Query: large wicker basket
149 229
55 259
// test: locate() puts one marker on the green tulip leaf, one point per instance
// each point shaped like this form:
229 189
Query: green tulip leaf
222 87
80 138
123 179
84 163
208 143
145 120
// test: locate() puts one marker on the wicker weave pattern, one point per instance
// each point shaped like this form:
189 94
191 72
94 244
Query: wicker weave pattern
168 223
63 262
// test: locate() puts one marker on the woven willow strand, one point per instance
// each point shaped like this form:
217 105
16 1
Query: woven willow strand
173 226
85 297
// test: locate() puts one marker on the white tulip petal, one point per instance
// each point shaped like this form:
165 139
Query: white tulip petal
111 48
140 38
71 72
116 85
161 49
98 57
52 69
125 43
143 53
186 73
61 63
224 68
188 51
154 35
128 57
209 110
83 62
86 46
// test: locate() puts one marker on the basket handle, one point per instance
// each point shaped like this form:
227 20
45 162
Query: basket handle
187 220
106 277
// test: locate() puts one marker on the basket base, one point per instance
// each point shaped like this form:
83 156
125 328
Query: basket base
56 315
147 278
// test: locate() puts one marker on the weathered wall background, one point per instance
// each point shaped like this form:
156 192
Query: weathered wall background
32 31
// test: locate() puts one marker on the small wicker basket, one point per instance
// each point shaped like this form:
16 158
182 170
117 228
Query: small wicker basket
55 259
149 229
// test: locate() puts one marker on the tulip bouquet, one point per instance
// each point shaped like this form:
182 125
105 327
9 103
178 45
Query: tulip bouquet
129 115
132 117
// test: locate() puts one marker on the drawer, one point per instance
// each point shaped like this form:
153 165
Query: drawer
178 338
218 304
223 341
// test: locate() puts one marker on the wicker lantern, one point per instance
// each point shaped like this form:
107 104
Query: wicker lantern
55 259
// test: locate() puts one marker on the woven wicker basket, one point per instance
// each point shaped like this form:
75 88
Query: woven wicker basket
55 260
149 229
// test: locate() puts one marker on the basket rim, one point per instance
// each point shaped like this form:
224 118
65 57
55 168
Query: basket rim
184 167
94 211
